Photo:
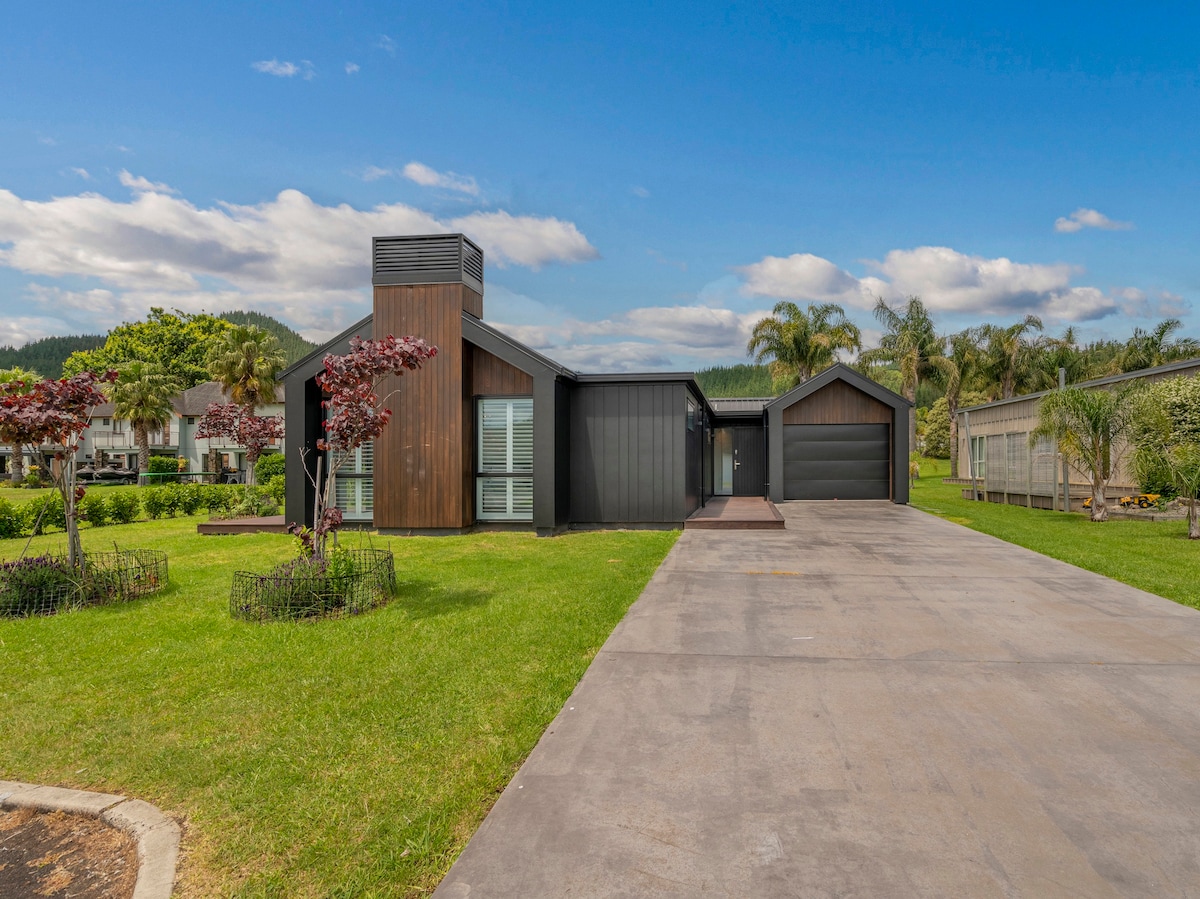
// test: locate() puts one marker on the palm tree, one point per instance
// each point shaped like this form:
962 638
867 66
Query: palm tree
247 362
1146 349
801 343
1049 354
141 395
1090 427
959 367
1009 356
25 378
911 344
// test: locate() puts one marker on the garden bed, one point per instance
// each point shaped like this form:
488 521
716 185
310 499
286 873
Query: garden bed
348 582
47 584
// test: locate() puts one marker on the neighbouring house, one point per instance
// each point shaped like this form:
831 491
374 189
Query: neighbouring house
492 432
1008 470
111 440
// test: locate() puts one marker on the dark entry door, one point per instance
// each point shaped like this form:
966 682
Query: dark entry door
749 462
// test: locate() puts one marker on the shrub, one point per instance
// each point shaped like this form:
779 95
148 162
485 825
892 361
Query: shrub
255 503
269 466
191 498
276 488
172 499
13 520
163 465
124 506
48 512
39 585
93 509
154 501
220 498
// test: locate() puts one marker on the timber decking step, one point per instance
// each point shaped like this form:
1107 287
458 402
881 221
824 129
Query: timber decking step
731 513
272 524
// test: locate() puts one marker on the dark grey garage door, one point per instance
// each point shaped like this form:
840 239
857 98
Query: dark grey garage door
836 461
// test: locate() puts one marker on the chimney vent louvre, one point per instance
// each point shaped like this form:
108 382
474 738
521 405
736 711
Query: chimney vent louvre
427 259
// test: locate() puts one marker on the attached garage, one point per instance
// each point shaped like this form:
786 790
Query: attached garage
838 436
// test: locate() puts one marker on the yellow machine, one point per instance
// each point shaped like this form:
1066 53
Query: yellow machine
1141 500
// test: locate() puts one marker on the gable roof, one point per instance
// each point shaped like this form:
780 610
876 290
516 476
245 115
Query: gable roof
514 353
1182 367
840 372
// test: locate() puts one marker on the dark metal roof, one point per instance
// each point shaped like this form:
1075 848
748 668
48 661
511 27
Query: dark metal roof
363 327
511 351
840 372
738 405
1167 369
426 259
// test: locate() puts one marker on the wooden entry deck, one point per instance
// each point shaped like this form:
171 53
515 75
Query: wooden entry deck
736 513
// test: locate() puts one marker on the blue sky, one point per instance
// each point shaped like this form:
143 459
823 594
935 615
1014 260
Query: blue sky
646 181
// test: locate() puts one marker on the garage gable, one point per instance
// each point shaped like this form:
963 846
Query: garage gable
840 435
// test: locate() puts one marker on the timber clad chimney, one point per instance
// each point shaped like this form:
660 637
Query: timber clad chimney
423 460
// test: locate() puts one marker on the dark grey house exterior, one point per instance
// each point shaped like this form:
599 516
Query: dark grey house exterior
490 432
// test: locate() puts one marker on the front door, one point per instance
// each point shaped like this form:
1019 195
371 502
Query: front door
749 462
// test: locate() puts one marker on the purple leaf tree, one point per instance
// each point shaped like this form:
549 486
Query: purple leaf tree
55 413
239 423
356 414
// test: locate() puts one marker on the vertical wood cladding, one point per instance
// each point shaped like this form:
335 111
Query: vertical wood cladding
628 453
423 454
837 403
492 376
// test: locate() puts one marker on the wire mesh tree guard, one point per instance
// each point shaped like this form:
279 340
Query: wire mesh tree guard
49 584
350 583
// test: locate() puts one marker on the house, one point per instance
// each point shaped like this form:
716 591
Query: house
993 441
110 440
492 432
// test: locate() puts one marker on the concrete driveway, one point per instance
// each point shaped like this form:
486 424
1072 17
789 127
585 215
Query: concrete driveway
873 702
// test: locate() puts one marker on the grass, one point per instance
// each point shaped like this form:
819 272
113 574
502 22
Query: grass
351 757
1154 556
16 495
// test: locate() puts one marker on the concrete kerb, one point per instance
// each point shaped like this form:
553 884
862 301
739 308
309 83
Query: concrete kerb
157 835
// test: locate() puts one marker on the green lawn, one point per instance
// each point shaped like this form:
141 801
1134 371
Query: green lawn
25 494
348 757
1153 556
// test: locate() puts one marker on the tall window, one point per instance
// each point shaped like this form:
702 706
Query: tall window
979 455
354 491
504 479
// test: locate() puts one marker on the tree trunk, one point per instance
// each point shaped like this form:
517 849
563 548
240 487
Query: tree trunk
250 469
1193 521
1099 505
18 465
953 409
143 442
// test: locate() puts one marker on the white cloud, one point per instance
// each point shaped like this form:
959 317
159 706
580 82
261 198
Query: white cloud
352 67
47 141
639 191
947 280
285 69
374 173
802 276
139 184
1140 304
386 44
82 173
684 337
425 176
525 240
275 67
307 262
1088 218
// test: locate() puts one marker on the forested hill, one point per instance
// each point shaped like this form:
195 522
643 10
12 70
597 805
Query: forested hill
294 346
735 380
46 356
